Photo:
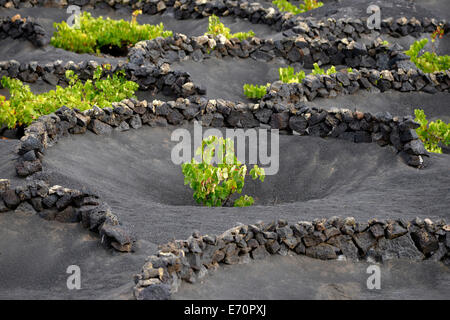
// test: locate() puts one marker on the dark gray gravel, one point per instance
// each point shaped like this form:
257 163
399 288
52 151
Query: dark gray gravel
35 254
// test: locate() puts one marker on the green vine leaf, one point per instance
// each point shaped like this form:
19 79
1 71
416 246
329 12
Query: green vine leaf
432 133
214 182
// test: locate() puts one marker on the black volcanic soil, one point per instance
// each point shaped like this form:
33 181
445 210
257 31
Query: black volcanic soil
303 278
133 172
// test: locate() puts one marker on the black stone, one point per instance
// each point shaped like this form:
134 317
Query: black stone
263 115
377 230
99 127
174 117
244 119
26 168
68 215
279 120
11 199
314 239
399 248
50 200
272 246
158 291
364 241
298 124
117 233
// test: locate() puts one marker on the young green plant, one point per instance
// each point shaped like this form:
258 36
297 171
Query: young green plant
286 6
92 34
215 182
255 91
429 61
317 70
215 28
432 133
286 75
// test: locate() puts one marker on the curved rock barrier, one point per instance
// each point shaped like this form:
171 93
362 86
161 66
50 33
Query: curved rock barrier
300 49
355 28
17 28
377 240
67 206
381 68
342 83
149 77
149 65
358 127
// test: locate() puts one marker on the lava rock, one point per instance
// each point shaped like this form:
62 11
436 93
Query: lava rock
3 207
99 127
63 202
4 185
425 241
26 168
347 246
415 147
242 119
175 117
331 232
298 124
50 200
377 230
159 291
119 234
364 241
399 248
272 246
314 239
279 120
135 122
394 230
11 199
92 217
322 251
259 253
29 142
263 115
25 208
37 204
439 254
68 215
300 248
